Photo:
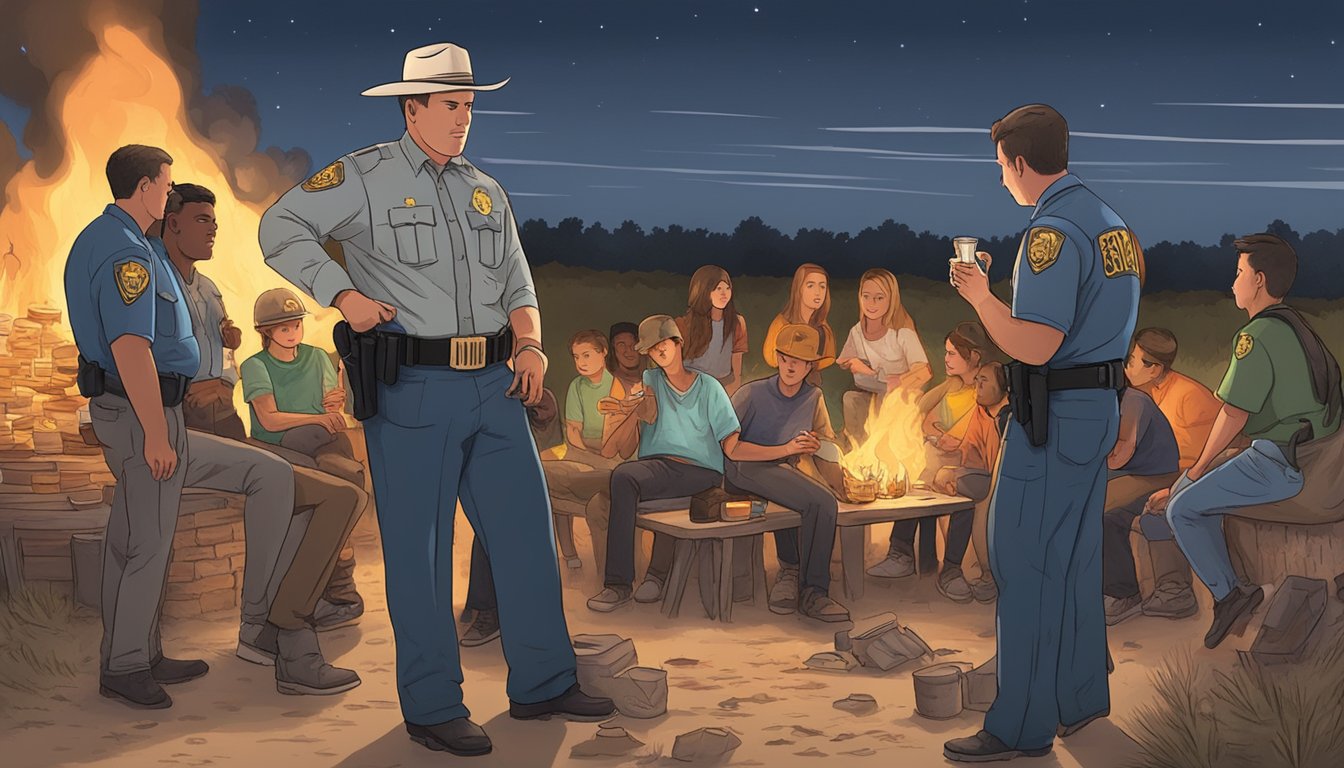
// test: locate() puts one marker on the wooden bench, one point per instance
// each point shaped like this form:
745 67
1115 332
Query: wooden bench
672 517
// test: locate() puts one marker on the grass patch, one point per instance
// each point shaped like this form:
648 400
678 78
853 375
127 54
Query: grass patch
1245 714
42 642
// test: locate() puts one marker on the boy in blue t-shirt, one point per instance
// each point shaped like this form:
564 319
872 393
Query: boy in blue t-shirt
686 425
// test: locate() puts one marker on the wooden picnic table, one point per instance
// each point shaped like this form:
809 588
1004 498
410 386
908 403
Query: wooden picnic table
713 544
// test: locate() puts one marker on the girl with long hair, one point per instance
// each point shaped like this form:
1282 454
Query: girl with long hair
715 335
809 303
883 350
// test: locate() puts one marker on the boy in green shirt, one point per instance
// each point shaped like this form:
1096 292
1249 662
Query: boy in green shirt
585 424
290 387
1281 388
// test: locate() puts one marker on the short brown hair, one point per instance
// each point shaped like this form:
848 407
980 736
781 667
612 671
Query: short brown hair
1037 134
1158 346
420 98
131 163
594 337
1271 256
998 372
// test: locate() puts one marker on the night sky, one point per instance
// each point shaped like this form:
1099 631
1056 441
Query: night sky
1206 117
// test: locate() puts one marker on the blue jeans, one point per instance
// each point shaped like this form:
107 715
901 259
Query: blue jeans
1045 553
443 435
1258 475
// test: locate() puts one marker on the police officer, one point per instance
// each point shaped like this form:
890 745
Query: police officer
438 297
1281 389
1075 302
137 355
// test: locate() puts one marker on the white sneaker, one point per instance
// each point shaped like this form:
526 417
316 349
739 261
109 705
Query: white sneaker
897 565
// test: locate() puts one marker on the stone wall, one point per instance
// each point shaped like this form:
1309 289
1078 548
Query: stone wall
206 570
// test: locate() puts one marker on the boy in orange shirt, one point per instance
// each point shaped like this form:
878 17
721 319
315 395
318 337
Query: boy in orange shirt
1188 405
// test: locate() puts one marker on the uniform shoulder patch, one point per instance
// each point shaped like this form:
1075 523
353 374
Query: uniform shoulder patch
327 178
1245 343
1043 247
1119 254
132 279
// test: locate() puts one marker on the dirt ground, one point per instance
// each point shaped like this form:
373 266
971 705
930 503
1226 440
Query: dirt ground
234 716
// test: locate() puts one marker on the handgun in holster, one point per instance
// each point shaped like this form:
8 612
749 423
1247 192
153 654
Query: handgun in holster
357 351
1029 398
91 379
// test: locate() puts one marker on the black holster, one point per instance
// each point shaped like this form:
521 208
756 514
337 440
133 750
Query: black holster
1029 399
92 380
359 352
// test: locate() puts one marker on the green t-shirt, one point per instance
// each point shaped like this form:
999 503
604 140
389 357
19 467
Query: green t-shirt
298 386
581 404
1269 379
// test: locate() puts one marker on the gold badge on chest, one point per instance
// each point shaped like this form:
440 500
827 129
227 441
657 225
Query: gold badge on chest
132 280
480 200
1043 246
328 177
1245 343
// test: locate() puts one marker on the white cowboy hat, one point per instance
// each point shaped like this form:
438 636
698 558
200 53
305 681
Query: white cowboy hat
434 69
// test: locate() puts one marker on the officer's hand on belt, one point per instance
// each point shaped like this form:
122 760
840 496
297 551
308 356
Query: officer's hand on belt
969 280
529 372
361 312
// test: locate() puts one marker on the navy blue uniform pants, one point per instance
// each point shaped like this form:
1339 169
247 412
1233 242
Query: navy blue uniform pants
1045 551
443 435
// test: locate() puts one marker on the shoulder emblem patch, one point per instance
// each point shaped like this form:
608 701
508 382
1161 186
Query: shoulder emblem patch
328 177
480 200
1119 256
1043 246
1245 343
132 280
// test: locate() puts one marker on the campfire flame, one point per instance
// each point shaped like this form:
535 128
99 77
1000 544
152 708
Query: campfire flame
883 463
127 94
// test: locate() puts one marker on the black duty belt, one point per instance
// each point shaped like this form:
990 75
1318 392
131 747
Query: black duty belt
172 386
1110 375
461 353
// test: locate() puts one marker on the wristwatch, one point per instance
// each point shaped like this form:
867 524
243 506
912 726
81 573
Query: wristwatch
545 361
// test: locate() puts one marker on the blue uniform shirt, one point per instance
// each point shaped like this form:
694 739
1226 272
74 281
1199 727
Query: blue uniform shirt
117 283
1077 271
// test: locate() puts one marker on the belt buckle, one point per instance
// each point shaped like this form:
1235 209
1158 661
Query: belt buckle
467 353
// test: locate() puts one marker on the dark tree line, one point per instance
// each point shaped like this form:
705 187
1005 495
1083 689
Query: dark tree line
754 248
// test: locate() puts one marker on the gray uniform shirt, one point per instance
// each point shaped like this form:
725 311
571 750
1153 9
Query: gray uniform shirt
207 311
438 243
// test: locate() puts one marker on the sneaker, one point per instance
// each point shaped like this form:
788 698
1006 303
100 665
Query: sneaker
484 628
300 668
1120 608
257 643
816 604
985 747
1240 603
897 565
609 599
650 590
1171 600
952 585
330 615
784 594
984 590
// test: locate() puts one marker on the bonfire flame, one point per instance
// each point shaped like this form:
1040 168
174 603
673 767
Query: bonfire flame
128 94
881 465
